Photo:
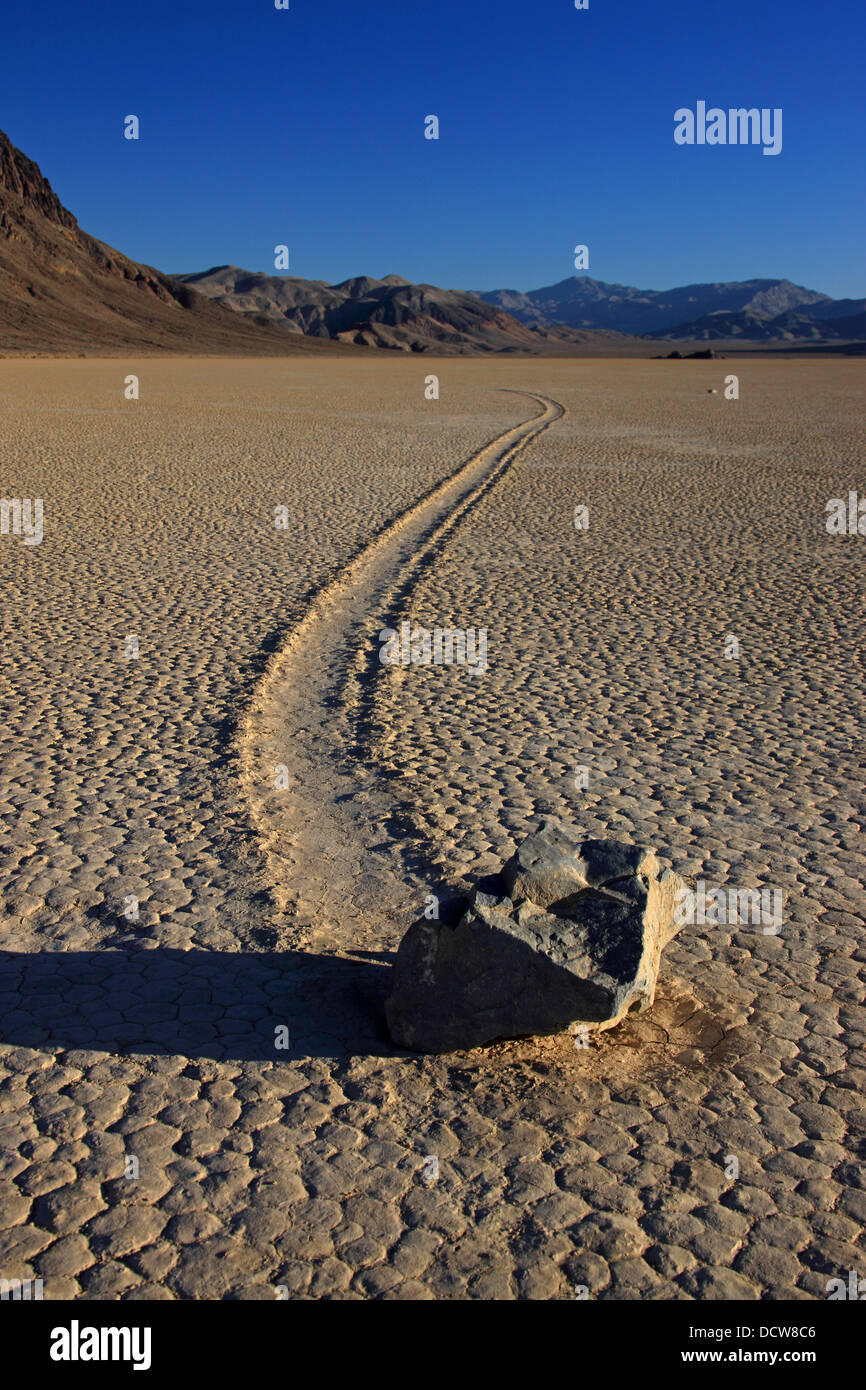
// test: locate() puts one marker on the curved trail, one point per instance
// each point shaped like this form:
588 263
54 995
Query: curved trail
335 876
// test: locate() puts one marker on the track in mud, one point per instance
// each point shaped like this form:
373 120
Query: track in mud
338 883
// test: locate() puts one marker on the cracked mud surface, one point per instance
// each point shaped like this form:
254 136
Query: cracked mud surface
303 1168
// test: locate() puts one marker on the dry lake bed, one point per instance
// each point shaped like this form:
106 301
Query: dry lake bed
220 810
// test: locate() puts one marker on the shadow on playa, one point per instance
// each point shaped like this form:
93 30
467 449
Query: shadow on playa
222 1005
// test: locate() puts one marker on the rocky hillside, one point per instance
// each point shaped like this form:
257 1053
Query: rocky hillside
62 291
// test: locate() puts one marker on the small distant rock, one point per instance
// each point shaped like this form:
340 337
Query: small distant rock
572 932
703 354
712 391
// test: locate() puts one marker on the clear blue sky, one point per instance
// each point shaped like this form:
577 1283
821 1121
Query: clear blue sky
305 126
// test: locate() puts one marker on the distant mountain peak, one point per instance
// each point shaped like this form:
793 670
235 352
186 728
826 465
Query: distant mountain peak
582 302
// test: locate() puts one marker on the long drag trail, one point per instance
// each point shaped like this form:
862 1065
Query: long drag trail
336 880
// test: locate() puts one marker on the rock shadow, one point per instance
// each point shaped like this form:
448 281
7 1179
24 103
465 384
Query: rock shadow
228 1006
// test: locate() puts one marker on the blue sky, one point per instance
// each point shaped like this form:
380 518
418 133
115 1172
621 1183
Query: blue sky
306 127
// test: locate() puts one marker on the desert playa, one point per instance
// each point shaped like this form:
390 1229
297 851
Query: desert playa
221 812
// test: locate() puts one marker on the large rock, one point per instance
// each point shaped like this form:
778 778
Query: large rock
573 934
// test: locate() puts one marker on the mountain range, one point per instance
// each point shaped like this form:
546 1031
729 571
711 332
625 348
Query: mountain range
578 313
63 291
391 313
758 310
